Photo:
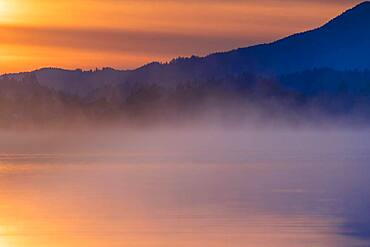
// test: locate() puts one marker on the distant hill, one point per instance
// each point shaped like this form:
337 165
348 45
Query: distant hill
75 82
325 71
342 44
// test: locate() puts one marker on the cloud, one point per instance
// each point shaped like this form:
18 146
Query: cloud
116 41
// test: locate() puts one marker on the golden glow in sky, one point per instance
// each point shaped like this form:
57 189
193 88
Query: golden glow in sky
129 33
6 10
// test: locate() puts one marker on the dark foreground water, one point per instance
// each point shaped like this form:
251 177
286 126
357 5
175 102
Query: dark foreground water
196 190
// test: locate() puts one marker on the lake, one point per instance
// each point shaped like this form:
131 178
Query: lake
186 188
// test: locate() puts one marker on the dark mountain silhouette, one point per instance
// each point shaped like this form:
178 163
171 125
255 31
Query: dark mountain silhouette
342 44
322 72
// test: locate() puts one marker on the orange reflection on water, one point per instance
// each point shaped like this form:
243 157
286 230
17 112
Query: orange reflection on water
72 204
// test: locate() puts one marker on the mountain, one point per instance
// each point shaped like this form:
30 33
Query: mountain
320 74
342 44
73 82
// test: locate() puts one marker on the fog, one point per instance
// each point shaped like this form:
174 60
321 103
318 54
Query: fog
209 138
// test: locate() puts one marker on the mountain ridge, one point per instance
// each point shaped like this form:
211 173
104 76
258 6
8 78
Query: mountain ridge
341 44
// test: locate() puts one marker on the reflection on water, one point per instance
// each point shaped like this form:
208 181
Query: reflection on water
234 197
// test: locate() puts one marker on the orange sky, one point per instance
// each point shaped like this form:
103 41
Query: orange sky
128 33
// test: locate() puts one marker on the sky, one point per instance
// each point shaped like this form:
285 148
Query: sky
125 34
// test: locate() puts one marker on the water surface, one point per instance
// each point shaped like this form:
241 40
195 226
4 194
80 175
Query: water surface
191 189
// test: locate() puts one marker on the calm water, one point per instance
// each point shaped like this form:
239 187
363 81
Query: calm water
286 191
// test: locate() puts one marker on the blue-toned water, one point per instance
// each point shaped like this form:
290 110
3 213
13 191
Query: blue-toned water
195 188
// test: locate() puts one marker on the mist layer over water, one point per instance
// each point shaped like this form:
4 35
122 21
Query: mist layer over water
199 186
